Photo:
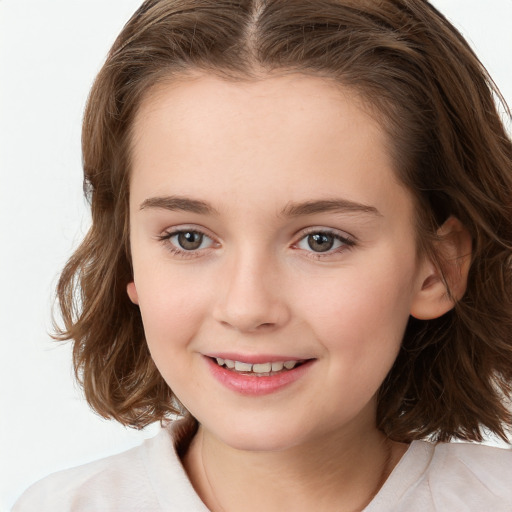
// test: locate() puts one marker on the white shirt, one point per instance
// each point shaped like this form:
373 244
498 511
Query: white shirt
444 477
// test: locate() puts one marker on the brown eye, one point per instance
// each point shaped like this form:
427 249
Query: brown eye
320 242
324 243
189 240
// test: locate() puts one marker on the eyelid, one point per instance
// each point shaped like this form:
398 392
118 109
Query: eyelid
180 228
168 233
344 235
348 241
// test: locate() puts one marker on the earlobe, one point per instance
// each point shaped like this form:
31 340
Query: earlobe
442 287
132 292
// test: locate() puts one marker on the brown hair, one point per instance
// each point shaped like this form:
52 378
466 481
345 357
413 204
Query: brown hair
453 375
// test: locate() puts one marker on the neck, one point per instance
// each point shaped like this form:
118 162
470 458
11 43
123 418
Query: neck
339 472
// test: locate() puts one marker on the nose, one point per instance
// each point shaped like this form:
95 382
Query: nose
251 295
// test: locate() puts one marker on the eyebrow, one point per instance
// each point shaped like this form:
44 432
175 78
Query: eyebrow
292 209
327 205
179 203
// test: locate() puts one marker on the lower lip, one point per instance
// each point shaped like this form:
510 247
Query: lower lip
253 385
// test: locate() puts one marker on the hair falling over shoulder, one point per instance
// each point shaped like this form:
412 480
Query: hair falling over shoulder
419 77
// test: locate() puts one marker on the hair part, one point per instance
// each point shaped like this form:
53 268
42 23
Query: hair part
418 76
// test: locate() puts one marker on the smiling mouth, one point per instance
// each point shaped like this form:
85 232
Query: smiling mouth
267 369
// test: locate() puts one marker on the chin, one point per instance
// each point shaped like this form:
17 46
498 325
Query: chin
258 437
259 443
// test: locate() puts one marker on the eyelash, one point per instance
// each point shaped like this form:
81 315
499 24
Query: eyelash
346 240
182 253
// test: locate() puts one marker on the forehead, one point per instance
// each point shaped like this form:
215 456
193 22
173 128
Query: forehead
297 134
200 100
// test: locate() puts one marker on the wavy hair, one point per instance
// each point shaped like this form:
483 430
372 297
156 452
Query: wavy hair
419 77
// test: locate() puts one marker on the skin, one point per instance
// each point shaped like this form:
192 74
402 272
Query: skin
250 151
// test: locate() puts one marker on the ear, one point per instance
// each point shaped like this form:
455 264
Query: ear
132 292
440 290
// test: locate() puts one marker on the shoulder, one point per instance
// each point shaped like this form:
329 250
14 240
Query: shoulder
485 465
149 477
448 477
98 485
464 476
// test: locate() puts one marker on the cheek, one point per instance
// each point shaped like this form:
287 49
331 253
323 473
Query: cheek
171 306
361 312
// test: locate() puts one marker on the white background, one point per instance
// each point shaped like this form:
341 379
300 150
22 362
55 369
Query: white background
50 52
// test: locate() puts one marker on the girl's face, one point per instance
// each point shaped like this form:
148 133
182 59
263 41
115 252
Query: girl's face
267 227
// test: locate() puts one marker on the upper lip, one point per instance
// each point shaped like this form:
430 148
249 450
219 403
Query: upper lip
255 358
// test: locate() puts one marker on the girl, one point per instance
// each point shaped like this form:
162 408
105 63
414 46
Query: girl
300 245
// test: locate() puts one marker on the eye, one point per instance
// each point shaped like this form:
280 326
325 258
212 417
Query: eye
324 242
188 240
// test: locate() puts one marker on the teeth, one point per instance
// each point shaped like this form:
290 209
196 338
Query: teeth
260 368
242 367
277 367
